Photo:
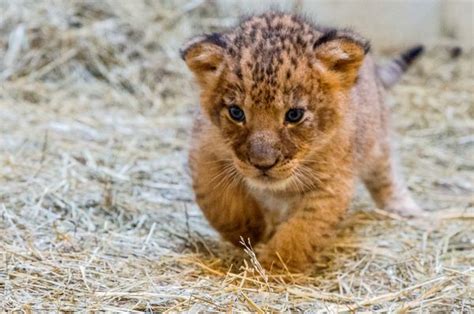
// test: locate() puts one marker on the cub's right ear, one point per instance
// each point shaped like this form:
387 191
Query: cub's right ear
204 56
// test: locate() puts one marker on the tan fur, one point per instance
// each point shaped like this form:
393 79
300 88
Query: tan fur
267 65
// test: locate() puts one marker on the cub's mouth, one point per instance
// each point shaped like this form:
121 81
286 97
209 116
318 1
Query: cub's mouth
274 178
269 180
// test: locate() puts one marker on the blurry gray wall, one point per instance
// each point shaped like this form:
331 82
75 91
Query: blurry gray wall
388 23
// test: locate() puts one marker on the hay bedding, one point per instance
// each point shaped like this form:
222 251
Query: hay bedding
96 208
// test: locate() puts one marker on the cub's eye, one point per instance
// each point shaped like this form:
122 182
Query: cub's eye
294 115
236 113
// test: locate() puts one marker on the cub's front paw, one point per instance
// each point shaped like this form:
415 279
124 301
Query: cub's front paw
267 259
278 259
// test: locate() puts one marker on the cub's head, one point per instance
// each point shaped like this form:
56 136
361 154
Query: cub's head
275 87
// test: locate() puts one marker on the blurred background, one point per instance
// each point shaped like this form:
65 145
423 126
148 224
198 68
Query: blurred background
96 205
389 23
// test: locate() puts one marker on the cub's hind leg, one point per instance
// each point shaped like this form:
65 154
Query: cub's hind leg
226 204
385 185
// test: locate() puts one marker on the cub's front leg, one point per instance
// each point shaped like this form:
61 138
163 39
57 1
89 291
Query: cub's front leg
312 226
225 202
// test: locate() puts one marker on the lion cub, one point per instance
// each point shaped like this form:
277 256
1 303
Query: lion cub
291 114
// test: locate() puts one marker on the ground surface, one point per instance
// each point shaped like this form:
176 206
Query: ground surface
96 210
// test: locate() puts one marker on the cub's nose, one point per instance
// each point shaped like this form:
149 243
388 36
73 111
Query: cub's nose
263 164
262 152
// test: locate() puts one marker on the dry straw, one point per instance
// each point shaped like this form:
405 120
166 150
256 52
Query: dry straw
96 209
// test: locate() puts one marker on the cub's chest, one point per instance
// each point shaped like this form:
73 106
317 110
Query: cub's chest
276 209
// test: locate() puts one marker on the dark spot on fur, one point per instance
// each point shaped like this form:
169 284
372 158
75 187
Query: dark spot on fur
294 62
214 38
328 36
238 72
333 34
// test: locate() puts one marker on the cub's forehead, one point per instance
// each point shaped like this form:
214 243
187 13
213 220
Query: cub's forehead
274 26
267 52
271 36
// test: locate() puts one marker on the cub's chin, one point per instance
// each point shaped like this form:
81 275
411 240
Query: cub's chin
264 182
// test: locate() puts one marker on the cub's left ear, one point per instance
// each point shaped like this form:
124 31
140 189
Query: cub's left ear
342 52
204 56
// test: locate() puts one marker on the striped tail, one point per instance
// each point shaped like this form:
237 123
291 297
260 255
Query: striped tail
392 72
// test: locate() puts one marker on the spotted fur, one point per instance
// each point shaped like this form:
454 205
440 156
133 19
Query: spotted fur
287 185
